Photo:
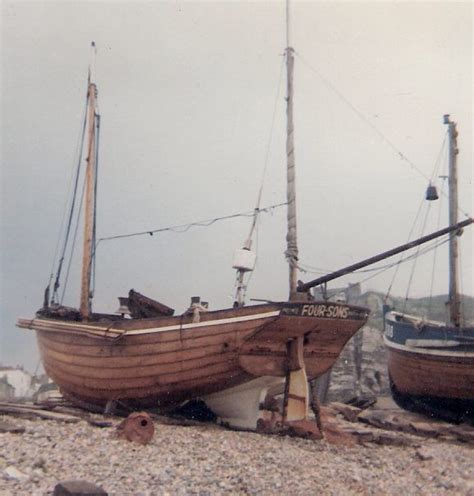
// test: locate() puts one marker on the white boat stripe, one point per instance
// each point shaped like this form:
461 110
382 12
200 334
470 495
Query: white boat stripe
192 325
431 343
210 323
426 351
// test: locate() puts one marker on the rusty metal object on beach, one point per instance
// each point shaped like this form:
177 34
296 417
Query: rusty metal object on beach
138 427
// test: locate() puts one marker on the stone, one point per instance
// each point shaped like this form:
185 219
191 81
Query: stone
12 428
78 488
462 433
423 455
378 418
388 439
13 473
349 412
425 429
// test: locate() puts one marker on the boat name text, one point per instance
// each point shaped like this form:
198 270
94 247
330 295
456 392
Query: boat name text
389 331
326 311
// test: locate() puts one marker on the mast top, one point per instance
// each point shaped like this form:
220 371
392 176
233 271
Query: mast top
288 44
92 63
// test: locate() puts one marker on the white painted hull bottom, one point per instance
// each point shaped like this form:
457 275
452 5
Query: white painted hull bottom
239 407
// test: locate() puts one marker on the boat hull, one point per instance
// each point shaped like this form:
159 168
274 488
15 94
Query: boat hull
430 362
162 362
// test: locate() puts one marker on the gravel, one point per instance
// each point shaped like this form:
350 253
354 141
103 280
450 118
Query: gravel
208 460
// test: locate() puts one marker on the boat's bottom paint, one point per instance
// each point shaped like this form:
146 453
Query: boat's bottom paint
448 409
240 407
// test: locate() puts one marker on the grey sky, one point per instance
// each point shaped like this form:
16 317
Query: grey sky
187 92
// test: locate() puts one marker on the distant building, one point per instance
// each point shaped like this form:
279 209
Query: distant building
21 381
7 391
47 392
349 294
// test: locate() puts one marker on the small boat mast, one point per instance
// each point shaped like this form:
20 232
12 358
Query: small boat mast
291 237
90 200
454 300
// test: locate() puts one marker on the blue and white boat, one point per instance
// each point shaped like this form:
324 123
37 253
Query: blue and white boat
431 364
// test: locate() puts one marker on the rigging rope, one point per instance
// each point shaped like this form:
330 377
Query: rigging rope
73 244
428 312
182 228
412 273
387 294
240 286
461 288
72 208
270 138
410 257
94 229
439 161
383 267
363 118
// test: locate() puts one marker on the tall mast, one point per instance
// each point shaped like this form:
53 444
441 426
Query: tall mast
454 300
291 238
85 305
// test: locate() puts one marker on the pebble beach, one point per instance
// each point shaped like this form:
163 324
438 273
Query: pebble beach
206 459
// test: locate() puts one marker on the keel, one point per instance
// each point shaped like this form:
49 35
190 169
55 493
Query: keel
297 398
296 401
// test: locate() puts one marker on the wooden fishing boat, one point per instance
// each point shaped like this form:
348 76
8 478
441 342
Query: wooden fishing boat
431 364
229 358
163 361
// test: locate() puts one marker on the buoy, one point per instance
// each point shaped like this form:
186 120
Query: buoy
431 193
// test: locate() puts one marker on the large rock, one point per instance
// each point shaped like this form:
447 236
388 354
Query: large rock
78 488
349 412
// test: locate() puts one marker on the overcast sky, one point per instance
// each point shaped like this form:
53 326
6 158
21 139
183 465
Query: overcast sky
188 92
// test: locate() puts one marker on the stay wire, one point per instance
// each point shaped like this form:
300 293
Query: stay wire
361 116
395 273
270 138
254 225
383 267
461 288
94 229
267 152
72 207
76 164
439 160
406 259
412 273
73 245
435 253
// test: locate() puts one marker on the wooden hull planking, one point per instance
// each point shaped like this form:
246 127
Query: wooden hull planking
167 360
429 359
432 375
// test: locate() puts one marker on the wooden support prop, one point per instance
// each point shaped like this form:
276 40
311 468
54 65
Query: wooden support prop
110 408
296 399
